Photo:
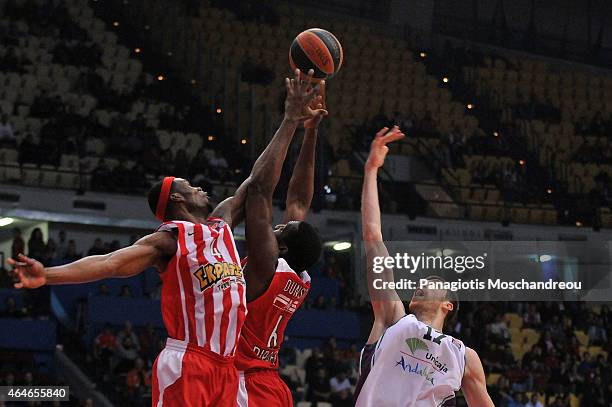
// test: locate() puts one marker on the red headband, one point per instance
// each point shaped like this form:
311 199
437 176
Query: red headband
162 201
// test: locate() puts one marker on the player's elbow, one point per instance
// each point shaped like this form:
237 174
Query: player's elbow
109 267
371 233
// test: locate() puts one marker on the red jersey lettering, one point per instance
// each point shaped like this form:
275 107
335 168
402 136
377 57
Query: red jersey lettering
264 329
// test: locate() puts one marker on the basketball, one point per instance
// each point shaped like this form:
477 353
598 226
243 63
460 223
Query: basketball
316 49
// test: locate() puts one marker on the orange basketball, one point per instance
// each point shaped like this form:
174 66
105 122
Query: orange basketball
316 49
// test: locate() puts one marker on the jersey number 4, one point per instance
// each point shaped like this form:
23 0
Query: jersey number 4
436 339
273 339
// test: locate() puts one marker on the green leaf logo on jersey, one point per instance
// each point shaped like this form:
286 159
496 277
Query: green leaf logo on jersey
415 344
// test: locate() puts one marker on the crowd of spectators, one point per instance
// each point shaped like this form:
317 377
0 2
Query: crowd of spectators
555 366
122 361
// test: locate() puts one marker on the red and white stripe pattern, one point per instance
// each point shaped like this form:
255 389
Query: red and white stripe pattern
212 318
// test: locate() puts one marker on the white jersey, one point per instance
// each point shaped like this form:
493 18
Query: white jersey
411 365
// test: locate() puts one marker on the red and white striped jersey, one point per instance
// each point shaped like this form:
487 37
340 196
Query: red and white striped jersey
203 299
264 329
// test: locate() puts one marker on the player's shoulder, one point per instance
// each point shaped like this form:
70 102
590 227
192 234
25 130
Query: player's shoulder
285 272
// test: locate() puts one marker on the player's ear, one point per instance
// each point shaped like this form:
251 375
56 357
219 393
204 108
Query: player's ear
176 197
448 306
282 248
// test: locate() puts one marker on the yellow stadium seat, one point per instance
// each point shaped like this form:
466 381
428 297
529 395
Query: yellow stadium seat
582 337
532 336
514 320
574 401
493 378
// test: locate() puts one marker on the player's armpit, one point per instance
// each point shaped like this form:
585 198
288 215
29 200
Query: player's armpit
231 209
474 383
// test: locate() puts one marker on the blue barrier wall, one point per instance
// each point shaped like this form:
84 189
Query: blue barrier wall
5 293
307 325
35 335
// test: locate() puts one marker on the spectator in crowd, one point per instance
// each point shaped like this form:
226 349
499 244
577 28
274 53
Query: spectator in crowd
103 290
137 380
319 303
127 353
532 319
597 333
101 176
36 245
11 310
126 292
340 388
6 131
315 362
148 340
535 401
50 253
105 345
62 245
499 330
97 248
18 246
128 332
71 253
319 389
587 366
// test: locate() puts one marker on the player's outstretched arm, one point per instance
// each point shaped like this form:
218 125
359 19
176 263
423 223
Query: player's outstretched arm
261 243
386 304
152 250
301 184
474 384
267 168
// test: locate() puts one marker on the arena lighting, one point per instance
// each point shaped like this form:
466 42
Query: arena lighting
160 78
445 79
545 257
341 246
6 221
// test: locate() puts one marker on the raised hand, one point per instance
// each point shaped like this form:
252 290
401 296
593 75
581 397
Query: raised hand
302 97
379 149
317 109
30 272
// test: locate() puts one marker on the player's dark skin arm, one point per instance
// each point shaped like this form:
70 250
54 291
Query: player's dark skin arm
301 185
153 250
261 241
267 168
